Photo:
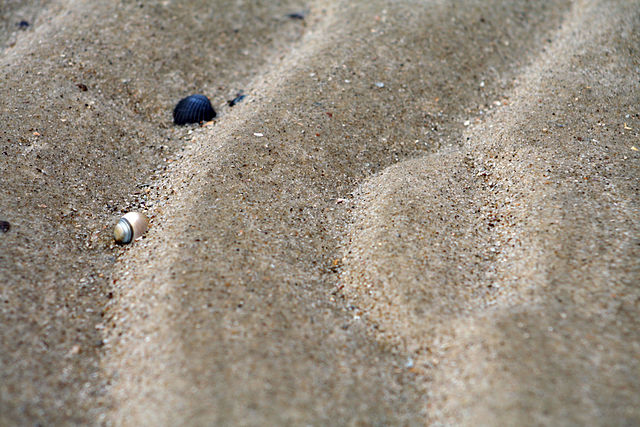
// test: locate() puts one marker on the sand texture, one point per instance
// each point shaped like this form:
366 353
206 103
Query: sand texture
422 213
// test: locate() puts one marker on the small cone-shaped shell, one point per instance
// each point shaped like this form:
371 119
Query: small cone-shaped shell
130 227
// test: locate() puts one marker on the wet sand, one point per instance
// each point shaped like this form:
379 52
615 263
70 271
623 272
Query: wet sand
422 213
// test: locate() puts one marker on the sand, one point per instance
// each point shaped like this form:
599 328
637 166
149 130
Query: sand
422 213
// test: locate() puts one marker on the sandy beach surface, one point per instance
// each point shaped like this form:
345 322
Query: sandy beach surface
422 213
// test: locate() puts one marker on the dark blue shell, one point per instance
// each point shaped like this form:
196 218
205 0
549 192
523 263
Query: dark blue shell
193 109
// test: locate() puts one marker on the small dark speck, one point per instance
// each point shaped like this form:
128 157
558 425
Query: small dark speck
239 97
5 226
23 25
82 87
296 15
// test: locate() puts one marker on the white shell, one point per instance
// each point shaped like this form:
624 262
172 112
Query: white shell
130 227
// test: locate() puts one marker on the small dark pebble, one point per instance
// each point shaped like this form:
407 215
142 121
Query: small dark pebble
5 226
239 97
82 87
23 24
193 109
296 15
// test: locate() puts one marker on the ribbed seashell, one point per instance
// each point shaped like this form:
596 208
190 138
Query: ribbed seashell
193 109
130 227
